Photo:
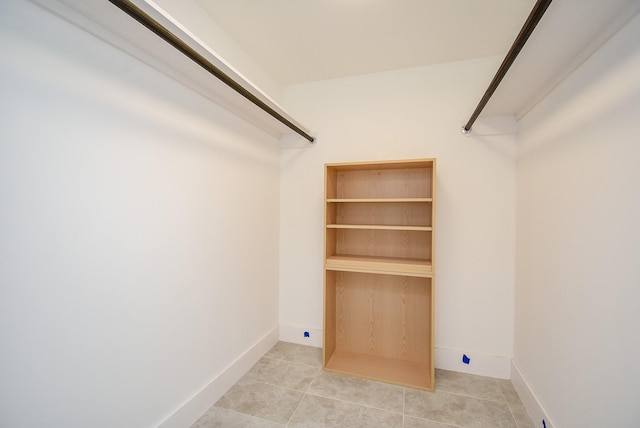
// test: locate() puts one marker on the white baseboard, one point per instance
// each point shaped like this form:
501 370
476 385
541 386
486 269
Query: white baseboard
529 399
296 334
479 364
196 406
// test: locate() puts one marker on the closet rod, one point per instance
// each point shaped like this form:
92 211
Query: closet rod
139 15
530 24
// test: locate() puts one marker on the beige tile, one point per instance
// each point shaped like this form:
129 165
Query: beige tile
485 388
301 354
223 418
423 423
272 395
283 373
484 423
319 412
509 392
457 409
359 391
523 420
261 400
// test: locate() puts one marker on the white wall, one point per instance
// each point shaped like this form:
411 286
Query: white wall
138 233
578 243
412 113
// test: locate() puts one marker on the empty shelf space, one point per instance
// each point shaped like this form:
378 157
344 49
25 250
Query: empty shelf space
389 265
399 372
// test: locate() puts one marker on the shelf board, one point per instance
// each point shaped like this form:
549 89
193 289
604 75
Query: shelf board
382 165
405 373
381 265
379 200
379 227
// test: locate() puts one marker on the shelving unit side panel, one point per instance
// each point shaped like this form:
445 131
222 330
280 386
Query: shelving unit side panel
330 240
433 212
330 182
386 316
331 213
383 243
329 328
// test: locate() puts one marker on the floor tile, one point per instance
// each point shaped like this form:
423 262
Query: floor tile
485 388
302 354
283 373
259 399
319 412
422 423
223 418
509 392
457 409
288 388
359 391
523 420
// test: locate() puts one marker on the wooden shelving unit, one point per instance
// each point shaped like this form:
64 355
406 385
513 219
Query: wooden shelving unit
378 271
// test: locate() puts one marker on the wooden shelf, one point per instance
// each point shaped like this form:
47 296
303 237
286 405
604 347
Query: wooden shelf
379 227
379 200
385 265
380 165
399 372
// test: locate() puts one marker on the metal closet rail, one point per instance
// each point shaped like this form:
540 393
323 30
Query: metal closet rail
530 24
139 15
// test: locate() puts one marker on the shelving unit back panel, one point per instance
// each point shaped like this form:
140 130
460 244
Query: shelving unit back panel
383 183
382 243
393 214
387 316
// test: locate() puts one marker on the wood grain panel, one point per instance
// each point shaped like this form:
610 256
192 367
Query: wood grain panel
405 373
392 213
378 298
384 183
384 265
383 315
383 243
329 340
330 182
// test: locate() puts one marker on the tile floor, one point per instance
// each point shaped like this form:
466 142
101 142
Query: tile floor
288 388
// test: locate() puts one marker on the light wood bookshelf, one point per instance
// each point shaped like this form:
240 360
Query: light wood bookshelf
378 271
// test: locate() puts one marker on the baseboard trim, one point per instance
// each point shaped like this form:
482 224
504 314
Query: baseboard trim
296 334
529 399
479 364
196 406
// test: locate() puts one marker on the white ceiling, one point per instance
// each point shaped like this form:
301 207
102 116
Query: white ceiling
307 40
299 41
